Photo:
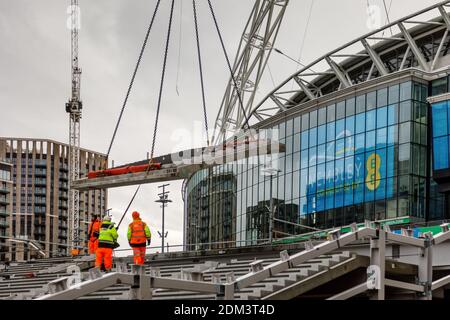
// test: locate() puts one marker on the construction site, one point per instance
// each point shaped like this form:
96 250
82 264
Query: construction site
334 184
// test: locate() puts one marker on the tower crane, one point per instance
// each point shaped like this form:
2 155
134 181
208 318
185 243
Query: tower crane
73 108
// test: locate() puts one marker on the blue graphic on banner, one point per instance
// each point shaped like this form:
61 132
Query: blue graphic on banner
349 172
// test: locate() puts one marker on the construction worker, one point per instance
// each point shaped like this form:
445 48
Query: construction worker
138 235
93 233
106 243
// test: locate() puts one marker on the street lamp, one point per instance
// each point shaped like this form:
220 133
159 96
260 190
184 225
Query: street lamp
270 171
163 199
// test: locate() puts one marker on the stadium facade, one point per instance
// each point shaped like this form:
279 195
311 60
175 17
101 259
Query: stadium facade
366 139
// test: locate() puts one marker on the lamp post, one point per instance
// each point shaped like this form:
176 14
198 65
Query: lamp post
269 171
163 199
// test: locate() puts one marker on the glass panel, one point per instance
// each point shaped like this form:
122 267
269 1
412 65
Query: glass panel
304 140
340 110
394 94
322 116
313 119
441 150
392 114
371 102
305 121
331 131
331 113
321 156
350 107
296 146
440 120
313 156
313 137
405 111
297 124
382 97
382 117
360 123
304 159
404 132
289 127
371 118
360 104
405 91
439 86
350 126
321 134
381 138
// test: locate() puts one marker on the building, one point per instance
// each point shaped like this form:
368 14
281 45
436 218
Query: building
359 137
5 206
40 196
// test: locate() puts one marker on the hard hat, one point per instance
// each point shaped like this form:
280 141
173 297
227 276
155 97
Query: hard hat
135 214
106 218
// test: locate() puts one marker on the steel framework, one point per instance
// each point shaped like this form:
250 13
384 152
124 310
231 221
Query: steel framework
254 50
142 285
377 56
73 107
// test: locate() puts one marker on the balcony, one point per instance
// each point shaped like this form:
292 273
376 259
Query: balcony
3 213
40 163
64 177
63 226
4 201
40 182
40 192
4 190
63 196
64 168
63 205
40 173
39 211
4 224
62 235
40 203
63 186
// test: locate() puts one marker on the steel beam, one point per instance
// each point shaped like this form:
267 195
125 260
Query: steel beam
404 285
375 58
347 294
415 49
440 283
305 88
378 258
338 72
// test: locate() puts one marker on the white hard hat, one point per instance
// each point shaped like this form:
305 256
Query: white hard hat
106 218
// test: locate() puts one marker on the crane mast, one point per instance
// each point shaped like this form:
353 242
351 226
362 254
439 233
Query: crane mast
73 107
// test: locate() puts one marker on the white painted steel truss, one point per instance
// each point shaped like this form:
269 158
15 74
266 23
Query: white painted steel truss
371 56
142 284
254 50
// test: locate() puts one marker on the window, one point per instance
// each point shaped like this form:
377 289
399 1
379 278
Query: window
439 86
440 120
405 91
371 102
441 151
340 110
360 104
382 97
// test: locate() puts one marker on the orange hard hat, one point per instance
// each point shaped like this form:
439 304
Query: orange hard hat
135 214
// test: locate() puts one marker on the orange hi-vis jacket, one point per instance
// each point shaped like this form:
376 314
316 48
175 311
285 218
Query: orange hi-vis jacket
138 233
94 229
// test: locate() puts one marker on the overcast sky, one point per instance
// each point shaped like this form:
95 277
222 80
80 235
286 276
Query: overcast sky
35 73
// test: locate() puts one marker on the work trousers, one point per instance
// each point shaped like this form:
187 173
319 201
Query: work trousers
139 255
104 255
93 245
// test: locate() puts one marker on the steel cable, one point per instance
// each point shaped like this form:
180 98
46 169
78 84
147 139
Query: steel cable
201 71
